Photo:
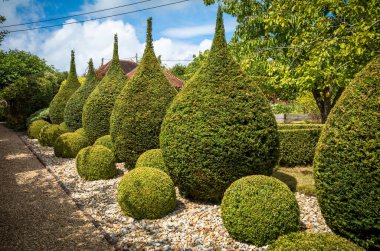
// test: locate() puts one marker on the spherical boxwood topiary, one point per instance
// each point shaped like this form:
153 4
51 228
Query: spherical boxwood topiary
146 193
303 241
57 105
35 128
64 128
74 106
69 144
347 161
140 107
95 163
98 107
81 131
105 141
258 209
49 134
152 158
219 127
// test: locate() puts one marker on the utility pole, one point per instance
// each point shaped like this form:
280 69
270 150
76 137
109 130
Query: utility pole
102 62
137 59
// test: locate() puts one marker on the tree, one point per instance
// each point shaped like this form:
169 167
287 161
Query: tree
178 70
3 32
315 45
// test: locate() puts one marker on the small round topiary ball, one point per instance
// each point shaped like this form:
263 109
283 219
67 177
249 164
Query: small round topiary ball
35 127
49 134
152 158
95 163
69 144
105 141
259 209
303 241
146 193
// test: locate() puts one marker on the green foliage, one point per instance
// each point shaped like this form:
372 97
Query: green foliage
58 104
297 146
38 115
81 131
146 193
95 163
347 161
219 128
258 209
140 108
35 128
313 45
105 141
98 107
74 106
303 241
49 134
195 65
64 128
2 32
152 158
69 144
178 70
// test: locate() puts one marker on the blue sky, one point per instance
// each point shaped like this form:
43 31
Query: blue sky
179 30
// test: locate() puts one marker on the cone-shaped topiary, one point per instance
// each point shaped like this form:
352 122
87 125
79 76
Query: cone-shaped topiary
219 128
146 193
98 107
35 127
57 105
140 108
152 158
302 241
258 209
95 163
347 161
74 106
49 134
69 144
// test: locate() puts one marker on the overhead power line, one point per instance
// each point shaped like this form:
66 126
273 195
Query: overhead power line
76 15
98 18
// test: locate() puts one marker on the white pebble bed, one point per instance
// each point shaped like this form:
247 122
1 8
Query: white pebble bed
192 226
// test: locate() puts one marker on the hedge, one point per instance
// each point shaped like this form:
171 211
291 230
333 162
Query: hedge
42 114
219 127
347 161
140 107
98 107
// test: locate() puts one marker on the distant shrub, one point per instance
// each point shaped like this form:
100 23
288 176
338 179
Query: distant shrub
146 193
69 144
258 209
49 134
35 128
95 163
152 158
38 115
303 241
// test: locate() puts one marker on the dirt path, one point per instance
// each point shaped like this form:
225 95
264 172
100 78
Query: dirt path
35 213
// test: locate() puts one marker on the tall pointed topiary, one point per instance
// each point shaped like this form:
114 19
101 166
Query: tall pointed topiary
58 104
140 108
74 106
347 161
98 107
219 128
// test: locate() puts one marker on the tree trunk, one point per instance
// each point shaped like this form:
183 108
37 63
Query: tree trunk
325 101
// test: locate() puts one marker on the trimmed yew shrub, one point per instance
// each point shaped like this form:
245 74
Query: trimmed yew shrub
80 131
258 209
69 144
42 114
105 141
152 158
347 161
140 108
146 193
49 134
96 162
303 241
74 106
35 128
98 107
64 128
219 128
57 105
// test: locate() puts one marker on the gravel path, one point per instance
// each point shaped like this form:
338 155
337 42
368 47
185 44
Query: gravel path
35 213
192 226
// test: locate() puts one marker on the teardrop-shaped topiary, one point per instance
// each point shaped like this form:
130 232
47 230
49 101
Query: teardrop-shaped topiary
74 107
58 104
98 107
219 128
140 108
347 161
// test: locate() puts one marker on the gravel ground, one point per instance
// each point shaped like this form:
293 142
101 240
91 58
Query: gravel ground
192 226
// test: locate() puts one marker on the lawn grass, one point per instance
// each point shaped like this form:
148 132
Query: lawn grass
299 178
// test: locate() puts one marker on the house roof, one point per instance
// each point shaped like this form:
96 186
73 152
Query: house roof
130 67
